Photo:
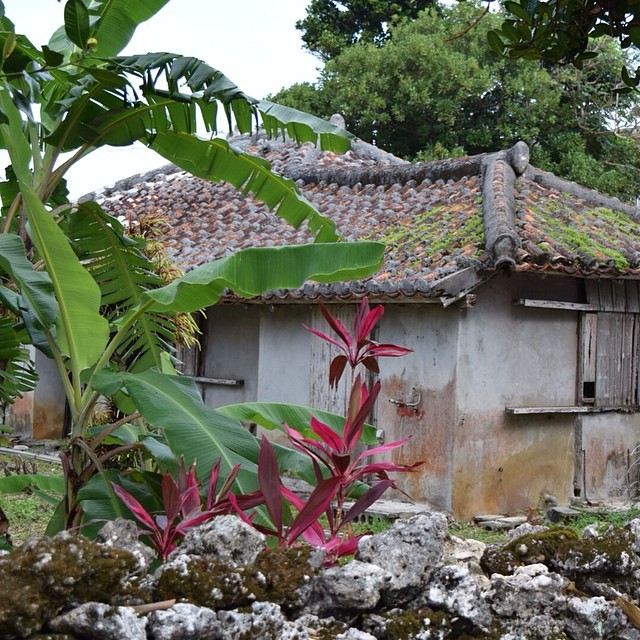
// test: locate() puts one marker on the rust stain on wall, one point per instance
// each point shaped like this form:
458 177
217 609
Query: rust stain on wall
506 468
606 463
429 427
48 421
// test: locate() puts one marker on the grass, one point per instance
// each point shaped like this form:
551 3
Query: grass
601 518
28 515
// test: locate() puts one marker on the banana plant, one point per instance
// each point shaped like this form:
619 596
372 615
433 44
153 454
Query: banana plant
78 287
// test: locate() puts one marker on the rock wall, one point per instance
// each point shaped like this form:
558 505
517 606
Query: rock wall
412 581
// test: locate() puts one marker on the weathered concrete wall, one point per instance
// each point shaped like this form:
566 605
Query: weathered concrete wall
522 357
40 413
468 366
284 372
231 351
429 374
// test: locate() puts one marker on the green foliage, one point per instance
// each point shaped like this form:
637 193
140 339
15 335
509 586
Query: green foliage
331 26
429 92
562 31
81 290
603 519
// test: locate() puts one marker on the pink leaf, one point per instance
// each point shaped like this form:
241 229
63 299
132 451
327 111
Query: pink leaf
269 481
338 547
140 513
353 433
386 350
337 326
336 369
239 511
324 336
170 496
366 500
213 498
326 434
370 363
383 448
190 495
315 506
368 322
377 467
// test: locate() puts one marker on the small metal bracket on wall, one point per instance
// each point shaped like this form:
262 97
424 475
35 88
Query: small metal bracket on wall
412 403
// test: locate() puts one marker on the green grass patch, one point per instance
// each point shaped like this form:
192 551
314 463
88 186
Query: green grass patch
28 514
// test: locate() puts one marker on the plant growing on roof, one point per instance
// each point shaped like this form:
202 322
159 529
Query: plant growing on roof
63 264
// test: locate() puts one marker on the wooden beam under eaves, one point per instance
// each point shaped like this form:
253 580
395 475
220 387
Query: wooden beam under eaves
554 304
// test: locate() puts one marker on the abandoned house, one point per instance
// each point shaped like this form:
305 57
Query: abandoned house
519 293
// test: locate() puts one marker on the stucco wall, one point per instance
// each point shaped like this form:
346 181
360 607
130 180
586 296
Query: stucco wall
431 372
231 351
41 412
284 371
521 357
468 365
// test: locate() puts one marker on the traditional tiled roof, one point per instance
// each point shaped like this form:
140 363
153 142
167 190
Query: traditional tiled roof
447 224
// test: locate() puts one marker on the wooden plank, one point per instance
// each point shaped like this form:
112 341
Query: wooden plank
636 358
220 381
593 295
633 296
604 345
524 411
606 295
619 295
628 360
322 353
554 304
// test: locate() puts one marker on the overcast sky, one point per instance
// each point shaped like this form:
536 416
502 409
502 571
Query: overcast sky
253 42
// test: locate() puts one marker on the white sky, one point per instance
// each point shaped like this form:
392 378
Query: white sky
253 42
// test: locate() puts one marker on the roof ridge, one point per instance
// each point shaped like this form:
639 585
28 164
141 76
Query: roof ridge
501 239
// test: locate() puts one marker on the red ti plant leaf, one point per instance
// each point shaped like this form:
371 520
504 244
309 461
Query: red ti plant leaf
270 485
316 505
182 506
371 496
356 346
141 514
187 488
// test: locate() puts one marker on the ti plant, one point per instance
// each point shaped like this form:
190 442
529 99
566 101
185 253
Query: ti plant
341 472
182 506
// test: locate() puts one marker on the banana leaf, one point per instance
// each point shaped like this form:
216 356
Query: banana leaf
192 429
271 415
20 482
216 159
35 287
17 371
82 331
122 272
254 271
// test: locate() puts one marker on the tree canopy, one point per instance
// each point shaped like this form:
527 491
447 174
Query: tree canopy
562 31
426 93
332 25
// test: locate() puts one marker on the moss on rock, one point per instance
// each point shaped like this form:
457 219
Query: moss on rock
277 576
50 574
531 548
